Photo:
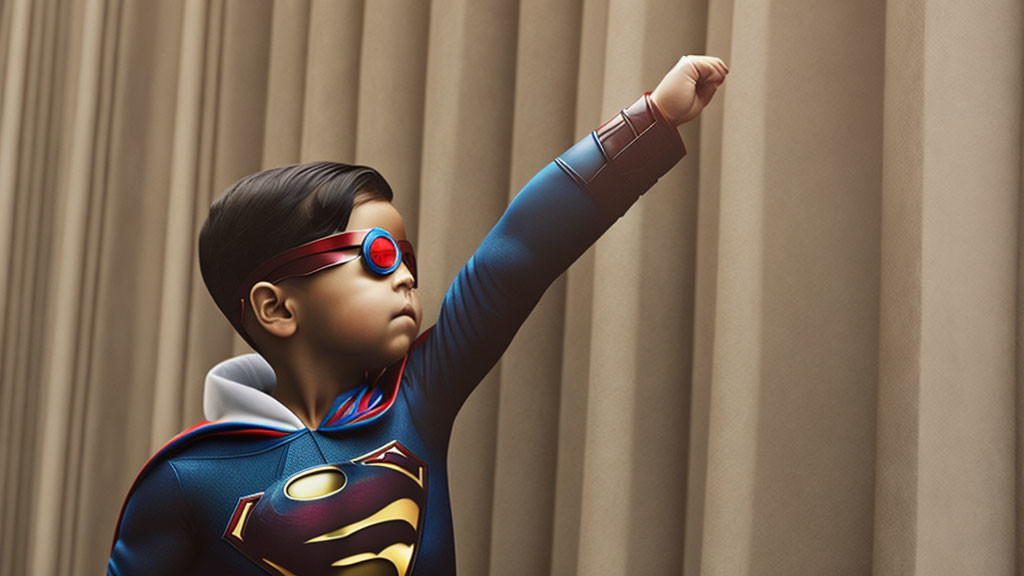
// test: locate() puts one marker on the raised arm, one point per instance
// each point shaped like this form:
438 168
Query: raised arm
562 211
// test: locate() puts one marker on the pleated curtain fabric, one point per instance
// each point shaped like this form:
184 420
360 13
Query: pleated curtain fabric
802 352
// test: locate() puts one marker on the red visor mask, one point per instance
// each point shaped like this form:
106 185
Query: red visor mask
381 255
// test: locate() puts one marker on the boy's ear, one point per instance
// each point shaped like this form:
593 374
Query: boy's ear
273 308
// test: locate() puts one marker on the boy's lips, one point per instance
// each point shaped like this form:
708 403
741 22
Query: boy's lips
406 311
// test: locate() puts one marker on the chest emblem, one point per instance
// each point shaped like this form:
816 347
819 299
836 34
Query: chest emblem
344 519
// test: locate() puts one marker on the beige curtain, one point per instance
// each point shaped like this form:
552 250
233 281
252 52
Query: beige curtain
800 353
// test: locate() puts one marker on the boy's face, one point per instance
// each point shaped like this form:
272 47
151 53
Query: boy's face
350 313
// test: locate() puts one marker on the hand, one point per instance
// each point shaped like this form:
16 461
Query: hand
688 87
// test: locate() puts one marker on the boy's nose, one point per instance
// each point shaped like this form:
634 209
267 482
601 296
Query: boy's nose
403 278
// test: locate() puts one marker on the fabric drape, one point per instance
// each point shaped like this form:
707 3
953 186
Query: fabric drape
799 353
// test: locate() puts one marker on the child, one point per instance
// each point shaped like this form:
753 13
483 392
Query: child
326 452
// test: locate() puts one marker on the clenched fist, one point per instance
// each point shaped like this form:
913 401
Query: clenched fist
688 87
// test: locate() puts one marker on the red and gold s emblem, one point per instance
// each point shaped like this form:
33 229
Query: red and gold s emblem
362 517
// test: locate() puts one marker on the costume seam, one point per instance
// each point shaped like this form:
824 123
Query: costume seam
629 123
572 174
184 501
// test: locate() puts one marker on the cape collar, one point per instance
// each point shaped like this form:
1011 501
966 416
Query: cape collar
238 390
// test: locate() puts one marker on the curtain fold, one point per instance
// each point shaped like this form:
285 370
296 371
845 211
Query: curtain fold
950 249
64 380
15 37
799 353
719 41
174 308
331 91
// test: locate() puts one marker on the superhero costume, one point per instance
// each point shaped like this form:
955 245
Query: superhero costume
253 491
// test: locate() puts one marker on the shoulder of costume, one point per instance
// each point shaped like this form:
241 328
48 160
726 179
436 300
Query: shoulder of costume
190 436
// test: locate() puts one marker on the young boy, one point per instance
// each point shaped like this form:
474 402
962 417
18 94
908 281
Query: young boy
326 453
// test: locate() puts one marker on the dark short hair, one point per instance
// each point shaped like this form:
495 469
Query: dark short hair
268 212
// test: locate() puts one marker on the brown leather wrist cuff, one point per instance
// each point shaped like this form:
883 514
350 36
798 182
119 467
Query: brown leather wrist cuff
625 156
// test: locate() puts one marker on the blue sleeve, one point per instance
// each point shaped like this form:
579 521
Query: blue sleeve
154 535
558 214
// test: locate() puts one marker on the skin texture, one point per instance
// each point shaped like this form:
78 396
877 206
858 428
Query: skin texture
325 332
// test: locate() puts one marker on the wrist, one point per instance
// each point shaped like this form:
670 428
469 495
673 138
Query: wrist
659 108
625 156
620 134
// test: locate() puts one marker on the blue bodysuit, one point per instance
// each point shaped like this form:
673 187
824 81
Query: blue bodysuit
253 491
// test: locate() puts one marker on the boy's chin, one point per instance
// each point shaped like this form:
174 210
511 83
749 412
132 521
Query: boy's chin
396 350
